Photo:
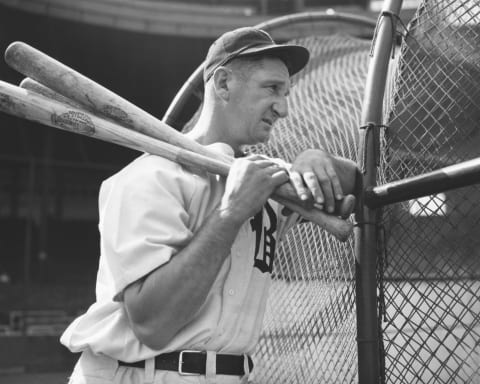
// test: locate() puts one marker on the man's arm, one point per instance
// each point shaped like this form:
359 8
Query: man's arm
164 301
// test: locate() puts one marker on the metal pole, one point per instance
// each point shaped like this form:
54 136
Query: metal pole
27 255
369 368
454 176
45 198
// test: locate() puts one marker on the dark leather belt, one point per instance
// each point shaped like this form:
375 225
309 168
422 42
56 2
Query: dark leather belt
194 363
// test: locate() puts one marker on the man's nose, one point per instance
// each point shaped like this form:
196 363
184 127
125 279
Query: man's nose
280 107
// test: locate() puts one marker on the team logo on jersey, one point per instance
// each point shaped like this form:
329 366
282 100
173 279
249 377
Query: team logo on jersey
265 238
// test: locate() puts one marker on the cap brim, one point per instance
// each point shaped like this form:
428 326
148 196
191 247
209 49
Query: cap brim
294 56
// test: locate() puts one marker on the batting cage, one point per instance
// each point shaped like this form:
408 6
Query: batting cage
429 267
309 330
399 302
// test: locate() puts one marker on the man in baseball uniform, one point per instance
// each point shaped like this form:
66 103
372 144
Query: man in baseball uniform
186 256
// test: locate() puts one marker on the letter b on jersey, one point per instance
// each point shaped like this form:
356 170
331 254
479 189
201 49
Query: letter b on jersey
265 238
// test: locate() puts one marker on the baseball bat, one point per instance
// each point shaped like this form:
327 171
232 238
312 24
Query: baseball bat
343 208
100 100
35 86
31 106
66 81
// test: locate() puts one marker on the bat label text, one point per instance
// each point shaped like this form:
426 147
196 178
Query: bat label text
75 121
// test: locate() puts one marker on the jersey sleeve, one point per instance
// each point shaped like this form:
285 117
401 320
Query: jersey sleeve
143 219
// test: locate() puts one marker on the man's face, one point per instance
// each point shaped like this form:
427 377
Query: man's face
258 100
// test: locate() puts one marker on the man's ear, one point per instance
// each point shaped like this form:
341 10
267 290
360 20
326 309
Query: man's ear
221 82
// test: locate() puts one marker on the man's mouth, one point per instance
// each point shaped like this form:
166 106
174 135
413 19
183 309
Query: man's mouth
268 121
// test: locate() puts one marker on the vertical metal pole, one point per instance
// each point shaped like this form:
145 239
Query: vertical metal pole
369 367
45 199
28 228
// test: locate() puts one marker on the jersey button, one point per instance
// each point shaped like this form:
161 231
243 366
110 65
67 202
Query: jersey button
231 292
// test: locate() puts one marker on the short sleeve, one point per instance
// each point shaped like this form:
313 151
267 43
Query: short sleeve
143 218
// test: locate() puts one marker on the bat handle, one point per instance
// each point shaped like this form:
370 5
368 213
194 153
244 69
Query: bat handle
341 229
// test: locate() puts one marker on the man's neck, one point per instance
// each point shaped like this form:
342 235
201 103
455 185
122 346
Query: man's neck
207 132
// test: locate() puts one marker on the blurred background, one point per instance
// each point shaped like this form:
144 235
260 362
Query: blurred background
49 179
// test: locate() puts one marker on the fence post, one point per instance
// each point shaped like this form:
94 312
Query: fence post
368 338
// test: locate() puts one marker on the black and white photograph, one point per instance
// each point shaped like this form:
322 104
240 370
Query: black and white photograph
240 191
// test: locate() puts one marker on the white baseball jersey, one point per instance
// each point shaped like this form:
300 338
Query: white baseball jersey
149 211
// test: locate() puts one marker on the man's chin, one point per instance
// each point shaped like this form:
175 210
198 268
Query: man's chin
264 139
261 138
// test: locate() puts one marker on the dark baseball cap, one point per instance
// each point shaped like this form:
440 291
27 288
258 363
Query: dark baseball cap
250 41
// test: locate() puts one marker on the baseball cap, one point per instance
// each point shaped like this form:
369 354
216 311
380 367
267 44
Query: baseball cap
250 41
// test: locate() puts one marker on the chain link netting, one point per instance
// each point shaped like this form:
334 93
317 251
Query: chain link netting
431 266
428 255
310 324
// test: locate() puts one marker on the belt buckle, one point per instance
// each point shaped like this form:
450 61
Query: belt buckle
180 363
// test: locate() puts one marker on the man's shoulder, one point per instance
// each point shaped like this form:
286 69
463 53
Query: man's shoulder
147 162
148 165
150 169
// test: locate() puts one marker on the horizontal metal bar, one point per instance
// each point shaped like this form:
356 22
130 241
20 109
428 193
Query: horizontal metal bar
444 179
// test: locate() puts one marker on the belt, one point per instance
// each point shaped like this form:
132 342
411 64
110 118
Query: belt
194 363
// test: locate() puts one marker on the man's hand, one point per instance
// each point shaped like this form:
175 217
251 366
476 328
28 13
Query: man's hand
313 175
250 183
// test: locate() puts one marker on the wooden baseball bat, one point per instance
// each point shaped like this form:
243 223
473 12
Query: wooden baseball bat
343 208
31 106
35 86
79 88
100 100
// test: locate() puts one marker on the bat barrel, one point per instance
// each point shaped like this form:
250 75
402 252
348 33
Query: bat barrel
93 96
34 107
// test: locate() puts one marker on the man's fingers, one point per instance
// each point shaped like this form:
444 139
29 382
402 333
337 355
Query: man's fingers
326 187
266 164
311 181
258 162
336 185
280 176
297 181
257 156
